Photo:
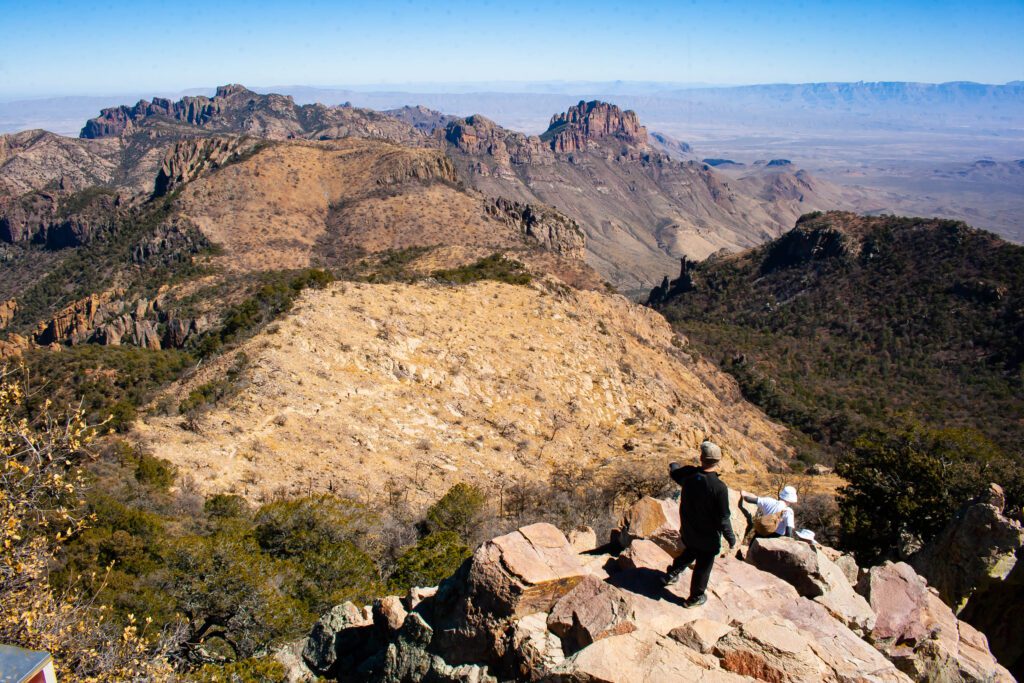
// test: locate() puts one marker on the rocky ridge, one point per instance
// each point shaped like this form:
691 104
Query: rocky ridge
642 206
529 606
238 110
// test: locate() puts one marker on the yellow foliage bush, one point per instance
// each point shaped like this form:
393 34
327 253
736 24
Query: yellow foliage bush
40 509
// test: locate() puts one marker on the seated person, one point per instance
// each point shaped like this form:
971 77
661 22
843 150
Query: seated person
775 517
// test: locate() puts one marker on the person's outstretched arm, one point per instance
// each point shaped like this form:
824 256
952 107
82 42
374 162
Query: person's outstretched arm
748 497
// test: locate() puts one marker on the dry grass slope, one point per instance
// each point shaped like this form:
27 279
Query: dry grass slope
421 386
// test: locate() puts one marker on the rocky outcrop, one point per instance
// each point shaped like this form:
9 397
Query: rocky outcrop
110 320
975 565
195 111
814 575
8 309
236 109
421 118
589 123
919 632
544 225
495 149
978 548
59 220
525 608
13 346
188 159
71 324
669 289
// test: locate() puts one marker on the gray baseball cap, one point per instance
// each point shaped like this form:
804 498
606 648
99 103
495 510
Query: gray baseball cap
710 452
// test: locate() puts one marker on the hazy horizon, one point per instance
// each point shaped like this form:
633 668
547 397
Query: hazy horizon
53 48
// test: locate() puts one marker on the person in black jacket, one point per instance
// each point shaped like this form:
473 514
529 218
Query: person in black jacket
704 516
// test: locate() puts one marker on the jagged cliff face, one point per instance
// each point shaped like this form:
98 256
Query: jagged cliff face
640 208
236 109
588 123
424 386
58 220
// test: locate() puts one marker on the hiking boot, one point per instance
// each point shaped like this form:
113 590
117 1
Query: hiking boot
695 602
671 576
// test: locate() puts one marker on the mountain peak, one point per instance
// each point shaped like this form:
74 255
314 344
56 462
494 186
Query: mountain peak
231 89
589 122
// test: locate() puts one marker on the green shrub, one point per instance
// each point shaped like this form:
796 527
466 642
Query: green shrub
154 472
275 295
225 506
493 267
461 510
904 488
210 393
322 536
433 558
109 382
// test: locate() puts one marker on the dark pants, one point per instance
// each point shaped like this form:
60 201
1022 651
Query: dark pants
701 572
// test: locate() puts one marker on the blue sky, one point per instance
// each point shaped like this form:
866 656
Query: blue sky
118 46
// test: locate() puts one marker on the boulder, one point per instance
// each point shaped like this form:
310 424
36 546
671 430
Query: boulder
701 634
771 649
974 563
739 593
977 549
524 572
654 520
644 554
589 612
919 632
809 569
409 659
795 562
582 539
536 648
337 640
846 562
416 595
389 613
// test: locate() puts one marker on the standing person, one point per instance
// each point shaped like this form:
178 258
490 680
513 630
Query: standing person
774 517
704 517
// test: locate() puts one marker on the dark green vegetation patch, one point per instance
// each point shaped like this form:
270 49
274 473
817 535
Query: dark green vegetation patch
493 267
855 331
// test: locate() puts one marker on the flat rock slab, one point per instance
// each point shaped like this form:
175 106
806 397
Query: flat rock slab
640 657
701 634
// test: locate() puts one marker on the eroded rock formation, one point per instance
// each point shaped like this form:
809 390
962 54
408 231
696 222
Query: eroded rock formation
527 607
546 226
975 565
590 122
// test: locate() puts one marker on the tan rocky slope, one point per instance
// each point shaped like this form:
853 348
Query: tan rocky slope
533 605
427 385
641 209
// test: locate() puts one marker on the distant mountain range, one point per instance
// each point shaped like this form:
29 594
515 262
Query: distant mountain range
642 201
527 106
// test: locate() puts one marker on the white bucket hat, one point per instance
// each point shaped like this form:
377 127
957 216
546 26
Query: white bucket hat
788 494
